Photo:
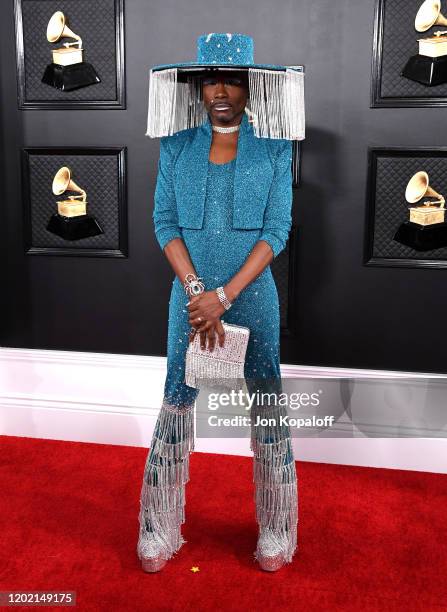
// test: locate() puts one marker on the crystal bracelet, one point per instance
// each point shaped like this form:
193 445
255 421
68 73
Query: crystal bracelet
193 284
223 298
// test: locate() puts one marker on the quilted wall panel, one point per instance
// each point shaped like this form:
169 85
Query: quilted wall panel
94 22
399 44
98 175
392 176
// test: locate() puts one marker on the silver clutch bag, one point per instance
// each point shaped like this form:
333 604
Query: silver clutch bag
222 362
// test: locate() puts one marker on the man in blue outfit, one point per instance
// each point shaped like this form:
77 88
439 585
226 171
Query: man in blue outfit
222 213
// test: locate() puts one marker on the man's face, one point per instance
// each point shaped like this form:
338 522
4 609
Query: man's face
225 95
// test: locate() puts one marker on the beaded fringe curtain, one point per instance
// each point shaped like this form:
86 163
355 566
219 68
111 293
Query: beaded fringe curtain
275 103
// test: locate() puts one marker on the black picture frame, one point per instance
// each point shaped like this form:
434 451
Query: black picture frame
75 248
377 100
70 103
414 259
284 273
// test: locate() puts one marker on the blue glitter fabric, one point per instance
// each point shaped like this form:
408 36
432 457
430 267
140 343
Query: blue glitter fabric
221 211
218 251
223 49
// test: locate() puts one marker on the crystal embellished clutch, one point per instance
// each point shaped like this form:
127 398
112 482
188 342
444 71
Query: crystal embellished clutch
222 362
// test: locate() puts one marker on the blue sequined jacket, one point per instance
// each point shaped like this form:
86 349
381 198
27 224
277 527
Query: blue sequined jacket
262 184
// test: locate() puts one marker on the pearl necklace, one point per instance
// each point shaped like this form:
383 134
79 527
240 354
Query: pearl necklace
226 130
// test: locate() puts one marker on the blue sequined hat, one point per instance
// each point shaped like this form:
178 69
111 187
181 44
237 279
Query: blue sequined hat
223 49
275 103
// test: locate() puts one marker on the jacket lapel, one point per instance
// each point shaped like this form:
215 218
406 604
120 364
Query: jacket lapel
252 178
191 175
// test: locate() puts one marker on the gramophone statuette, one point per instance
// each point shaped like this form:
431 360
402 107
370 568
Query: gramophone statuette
426 228
71 221
429 212
68 70
429 66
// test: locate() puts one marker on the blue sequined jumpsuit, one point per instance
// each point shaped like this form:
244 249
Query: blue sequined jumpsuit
218 251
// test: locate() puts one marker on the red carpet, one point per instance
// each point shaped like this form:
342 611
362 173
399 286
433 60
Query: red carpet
370 539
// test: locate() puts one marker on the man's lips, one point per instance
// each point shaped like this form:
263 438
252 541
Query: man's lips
221 106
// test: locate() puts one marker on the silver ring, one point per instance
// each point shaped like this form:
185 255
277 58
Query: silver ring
199 318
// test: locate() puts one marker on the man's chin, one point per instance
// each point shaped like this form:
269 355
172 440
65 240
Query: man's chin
224 117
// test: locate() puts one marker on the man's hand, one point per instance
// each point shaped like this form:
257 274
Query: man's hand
204 312
204 307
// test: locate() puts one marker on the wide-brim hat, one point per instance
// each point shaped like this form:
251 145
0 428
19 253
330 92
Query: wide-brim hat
275 102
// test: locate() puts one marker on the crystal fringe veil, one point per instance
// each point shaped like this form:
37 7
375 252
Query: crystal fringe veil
275 104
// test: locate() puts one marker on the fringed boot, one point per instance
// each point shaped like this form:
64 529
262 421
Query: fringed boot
162 502
276 492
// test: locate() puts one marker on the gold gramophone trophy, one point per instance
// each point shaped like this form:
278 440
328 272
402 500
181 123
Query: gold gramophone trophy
68 71
426 228
71 221
429 66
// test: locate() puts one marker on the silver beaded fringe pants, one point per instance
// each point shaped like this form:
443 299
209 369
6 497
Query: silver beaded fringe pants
162 500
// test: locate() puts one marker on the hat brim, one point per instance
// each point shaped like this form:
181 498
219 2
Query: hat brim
199 67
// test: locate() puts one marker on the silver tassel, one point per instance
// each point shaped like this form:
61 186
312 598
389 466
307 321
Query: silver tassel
173 105
277 103
274 475
203 370
162 500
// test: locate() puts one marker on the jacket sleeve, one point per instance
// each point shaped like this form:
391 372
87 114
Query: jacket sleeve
278 212
165 215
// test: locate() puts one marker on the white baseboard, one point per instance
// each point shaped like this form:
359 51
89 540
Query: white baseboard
115 399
